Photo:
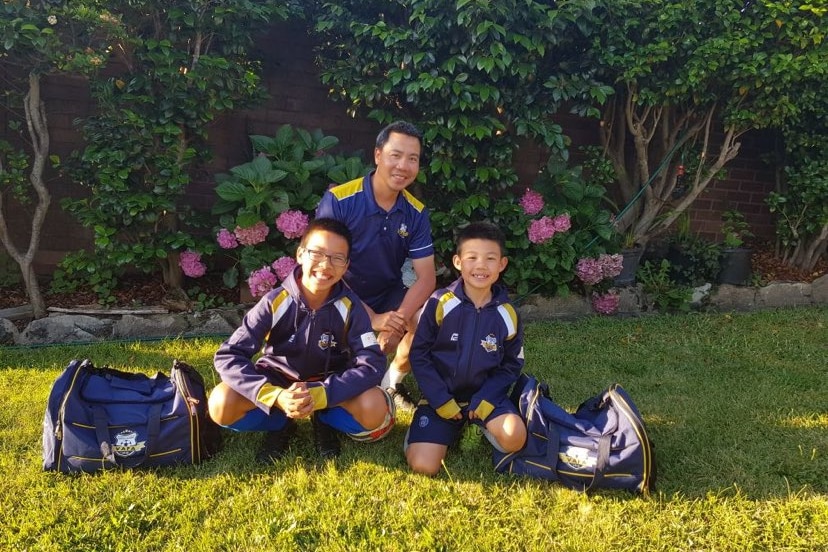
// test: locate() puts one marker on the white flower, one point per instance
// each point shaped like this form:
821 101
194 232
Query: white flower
52 20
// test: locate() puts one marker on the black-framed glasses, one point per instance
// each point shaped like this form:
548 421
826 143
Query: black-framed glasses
318 256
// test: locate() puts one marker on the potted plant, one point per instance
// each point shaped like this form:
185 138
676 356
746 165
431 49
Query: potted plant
735 259
693 259
631 253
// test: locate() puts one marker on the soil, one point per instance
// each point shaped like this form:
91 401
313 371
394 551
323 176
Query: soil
133 291
144 291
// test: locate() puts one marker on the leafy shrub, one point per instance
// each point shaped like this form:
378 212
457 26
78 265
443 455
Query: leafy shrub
661 290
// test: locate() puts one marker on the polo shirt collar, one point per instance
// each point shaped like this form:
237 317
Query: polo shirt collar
369 188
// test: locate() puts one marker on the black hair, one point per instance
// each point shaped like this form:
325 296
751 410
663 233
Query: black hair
402 127
330 225
481 231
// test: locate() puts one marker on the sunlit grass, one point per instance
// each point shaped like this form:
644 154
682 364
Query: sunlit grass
737 406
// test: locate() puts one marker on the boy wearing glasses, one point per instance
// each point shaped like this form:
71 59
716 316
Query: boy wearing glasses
467 353
389 225
319 357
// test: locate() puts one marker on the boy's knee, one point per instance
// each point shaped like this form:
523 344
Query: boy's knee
420 464
225 405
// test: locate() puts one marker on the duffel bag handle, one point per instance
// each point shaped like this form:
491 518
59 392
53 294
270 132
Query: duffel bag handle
108 451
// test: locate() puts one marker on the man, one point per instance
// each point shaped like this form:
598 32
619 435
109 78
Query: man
388 225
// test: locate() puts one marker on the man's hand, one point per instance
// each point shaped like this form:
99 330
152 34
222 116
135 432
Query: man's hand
296 401
392 322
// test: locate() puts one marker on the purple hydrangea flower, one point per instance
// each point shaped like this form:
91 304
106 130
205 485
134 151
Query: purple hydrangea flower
292 224
191 265
532 202
226 239
261 281
252 235
283 266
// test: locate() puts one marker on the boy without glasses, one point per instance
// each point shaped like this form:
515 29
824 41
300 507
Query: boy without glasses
320 358
467 353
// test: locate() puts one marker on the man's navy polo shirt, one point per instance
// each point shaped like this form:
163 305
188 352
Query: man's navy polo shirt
381 240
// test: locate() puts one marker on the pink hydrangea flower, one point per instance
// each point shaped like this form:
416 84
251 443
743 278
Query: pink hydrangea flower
532 202
606 303
562 223
283 266
252 235
292 224
611 265
589 271
226 239
191 265
541 230
261 281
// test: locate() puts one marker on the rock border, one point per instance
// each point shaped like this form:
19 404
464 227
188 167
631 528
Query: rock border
79 326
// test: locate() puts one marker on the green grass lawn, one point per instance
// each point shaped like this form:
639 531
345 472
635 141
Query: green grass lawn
737 405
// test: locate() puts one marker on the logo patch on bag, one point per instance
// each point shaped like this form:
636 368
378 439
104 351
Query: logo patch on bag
127 444
577 458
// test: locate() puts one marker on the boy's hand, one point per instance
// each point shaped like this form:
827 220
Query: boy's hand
388 341
296 401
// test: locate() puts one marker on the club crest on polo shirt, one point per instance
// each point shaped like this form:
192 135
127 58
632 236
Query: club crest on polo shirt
402 231
489 344
127 444
326 340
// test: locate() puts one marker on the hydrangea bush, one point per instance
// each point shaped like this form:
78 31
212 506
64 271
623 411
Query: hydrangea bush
549 227
265 205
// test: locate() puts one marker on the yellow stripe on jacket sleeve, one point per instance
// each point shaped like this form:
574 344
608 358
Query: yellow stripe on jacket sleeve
509 316
445 304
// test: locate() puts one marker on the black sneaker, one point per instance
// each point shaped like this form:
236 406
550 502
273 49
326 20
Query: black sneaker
276 443
325 438
402 399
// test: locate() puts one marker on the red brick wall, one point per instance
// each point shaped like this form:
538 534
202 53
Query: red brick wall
298 98
748 182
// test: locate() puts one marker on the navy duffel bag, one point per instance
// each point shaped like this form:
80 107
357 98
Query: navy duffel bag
102 418
602 445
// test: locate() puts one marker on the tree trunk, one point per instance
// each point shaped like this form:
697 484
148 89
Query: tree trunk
39 134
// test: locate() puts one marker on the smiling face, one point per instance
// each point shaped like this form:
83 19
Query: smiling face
480 262
322 257
398 162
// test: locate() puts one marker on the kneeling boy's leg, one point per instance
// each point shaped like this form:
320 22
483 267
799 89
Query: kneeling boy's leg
506 432
367 417
428 439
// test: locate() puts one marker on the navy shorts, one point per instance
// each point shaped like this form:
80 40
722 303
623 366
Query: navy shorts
428 427
388 301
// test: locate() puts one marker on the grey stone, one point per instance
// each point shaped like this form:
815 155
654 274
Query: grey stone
738 298
156 325
210 323
555 308
819 290
701 293
630 300
66 329
785 295
9 335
